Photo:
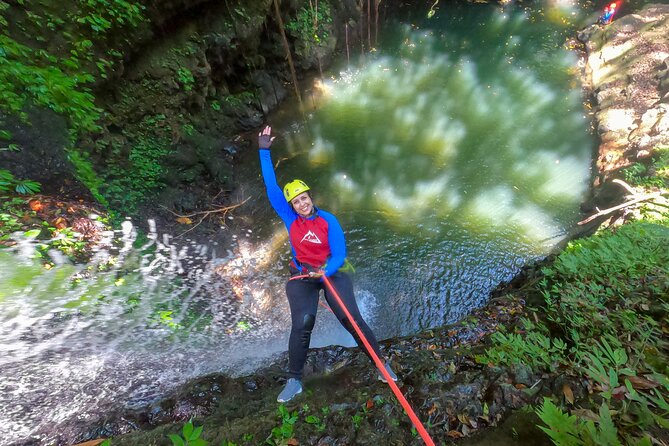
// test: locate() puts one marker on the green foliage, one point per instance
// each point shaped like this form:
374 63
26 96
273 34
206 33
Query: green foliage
310 25
313 419
240 99
284 432
26 187
84 171
185 78
11 148
242 13
33 76
36 77
569 430
356 419
17 217
103 15
131 180
23 187
656 174
535 349
166 318
588 280
10 216
190 436
605 299
188 129
65 240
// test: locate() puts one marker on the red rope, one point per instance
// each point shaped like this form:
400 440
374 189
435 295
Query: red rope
382 368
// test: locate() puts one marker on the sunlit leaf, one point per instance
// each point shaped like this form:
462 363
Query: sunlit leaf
32 233
568 393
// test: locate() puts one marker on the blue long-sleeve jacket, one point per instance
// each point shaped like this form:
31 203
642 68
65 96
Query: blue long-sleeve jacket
317 240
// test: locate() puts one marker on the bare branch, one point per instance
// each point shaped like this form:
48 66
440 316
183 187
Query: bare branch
638 199
206 213
629 188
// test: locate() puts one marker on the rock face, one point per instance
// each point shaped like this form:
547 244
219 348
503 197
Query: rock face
627 71
177 90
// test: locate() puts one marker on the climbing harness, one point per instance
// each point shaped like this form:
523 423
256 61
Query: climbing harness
307 276
382 369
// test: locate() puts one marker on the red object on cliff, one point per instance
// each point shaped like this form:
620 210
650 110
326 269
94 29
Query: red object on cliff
607 16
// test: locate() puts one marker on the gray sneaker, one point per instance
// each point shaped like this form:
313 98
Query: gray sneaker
390 372
292 389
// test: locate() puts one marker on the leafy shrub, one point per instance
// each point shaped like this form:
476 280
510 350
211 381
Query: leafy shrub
60 81
190 436
605 300
654 175
185 78
36 77
24 187
130 181
597 275
240 99
310 25
86 174
565 429
283 432
534 349
102 15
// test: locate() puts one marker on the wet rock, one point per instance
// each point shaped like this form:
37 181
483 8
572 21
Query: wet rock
327 441
510 396
230 149
250 386
250 120
270 90
341 407
522 374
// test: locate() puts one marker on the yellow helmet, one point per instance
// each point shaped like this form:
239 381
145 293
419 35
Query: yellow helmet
293 189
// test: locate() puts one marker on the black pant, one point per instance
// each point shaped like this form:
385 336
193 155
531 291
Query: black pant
303 299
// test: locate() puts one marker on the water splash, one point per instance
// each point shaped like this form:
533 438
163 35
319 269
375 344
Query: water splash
78 340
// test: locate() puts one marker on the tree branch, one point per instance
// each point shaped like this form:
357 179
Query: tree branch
206 213
638 199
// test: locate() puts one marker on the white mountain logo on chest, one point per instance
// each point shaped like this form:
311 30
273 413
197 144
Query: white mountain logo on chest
311 238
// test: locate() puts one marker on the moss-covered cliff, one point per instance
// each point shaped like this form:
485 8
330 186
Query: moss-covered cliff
146 101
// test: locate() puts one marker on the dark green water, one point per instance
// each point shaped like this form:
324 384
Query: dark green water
454 154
